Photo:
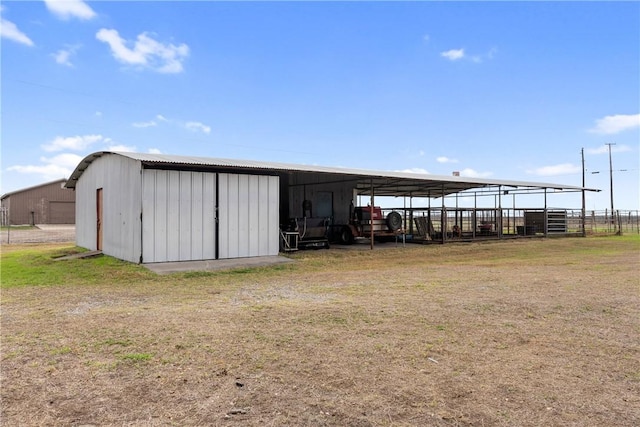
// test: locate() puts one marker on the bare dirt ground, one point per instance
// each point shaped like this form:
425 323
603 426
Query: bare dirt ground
38 234
519 333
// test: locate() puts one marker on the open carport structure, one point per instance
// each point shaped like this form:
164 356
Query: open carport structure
158 208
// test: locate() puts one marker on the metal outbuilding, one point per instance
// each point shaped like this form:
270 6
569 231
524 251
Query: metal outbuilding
156 208
48 203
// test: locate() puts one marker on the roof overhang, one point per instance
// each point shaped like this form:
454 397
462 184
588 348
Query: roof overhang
381 183
44 184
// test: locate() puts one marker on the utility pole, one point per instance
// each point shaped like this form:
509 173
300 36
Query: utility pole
584 211
613 218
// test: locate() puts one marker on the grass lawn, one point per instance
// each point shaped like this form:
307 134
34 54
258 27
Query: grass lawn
527 332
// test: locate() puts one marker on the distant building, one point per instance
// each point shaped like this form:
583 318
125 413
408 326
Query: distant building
48 203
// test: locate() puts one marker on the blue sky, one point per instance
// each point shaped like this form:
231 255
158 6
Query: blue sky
503 90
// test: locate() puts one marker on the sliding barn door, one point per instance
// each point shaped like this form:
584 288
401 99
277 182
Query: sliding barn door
248 215
178 216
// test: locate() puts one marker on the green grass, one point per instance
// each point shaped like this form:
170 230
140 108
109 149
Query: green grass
136 357
37 266
17 227
34 266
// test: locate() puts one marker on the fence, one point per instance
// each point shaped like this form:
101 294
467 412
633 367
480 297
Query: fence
472 223
602 222
37 234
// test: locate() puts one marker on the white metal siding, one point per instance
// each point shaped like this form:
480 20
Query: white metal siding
178 216
248 209
120 179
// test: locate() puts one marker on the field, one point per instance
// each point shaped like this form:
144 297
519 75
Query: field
527 332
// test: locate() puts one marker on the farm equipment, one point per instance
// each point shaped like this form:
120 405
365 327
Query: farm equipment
369 222
303 233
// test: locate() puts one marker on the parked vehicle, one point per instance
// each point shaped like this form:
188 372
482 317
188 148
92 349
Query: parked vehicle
368 221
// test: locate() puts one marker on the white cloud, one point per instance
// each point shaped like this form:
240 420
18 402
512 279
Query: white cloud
56 167
610 125
9 30
148 124
556 170
458 54
68 160
76 143
154 151
66 9
480 58
197 126
426 38
121 147
453 54
415 170
443 159
63 56
192 126
604 149
146 52
470 173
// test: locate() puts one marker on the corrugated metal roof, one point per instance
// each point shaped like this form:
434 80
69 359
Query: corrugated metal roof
396 183
33 187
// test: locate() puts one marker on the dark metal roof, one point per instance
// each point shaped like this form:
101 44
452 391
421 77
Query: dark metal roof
11 193
384 183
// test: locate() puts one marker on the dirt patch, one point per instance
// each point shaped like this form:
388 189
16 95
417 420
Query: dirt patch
513 333
38 234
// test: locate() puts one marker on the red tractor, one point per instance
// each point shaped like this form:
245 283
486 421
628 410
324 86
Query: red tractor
367 221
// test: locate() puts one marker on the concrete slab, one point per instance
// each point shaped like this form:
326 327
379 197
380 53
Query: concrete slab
212 265
56 227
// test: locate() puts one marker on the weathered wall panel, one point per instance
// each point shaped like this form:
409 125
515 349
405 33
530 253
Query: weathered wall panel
62 212
315 187
209 215
185 208
274 216
49 203
120 178
196 215
173 216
